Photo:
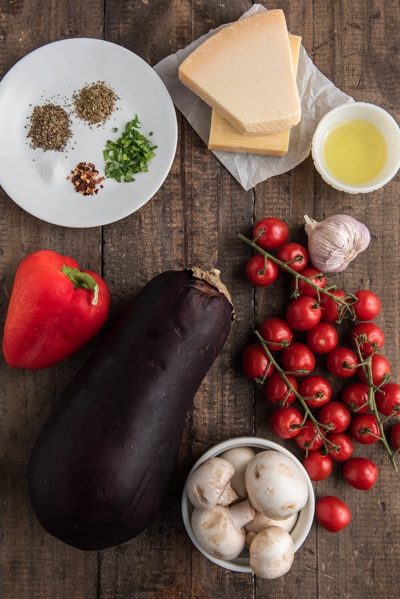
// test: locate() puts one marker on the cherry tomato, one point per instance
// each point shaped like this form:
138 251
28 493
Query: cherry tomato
355 397
332 513
269 233
342 362
342 448
260 271
315 276
255 363
336 416
303 313
322 338
395 435
367 306
276 333
318 465
316 390
331 309
285 422
387 399
380 370
368 336
360 473
308 437
277 391
298 359
364 428
294 255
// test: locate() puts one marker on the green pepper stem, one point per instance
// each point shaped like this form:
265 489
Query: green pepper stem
82 280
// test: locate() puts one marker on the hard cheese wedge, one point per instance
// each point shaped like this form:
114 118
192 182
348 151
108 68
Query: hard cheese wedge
245 72
226 138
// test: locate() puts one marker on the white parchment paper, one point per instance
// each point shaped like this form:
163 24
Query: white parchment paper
317 93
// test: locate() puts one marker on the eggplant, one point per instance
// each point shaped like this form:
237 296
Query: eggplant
101 465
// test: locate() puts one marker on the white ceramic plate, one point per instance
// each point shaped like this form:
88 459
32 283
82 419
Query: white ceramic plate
34 179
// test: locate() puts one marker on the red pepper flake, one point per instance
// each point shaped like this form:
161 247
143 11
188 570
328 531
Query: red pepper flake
86 179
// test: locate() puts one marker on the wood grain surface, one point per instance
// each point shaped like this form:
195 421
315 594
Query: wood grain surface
195 219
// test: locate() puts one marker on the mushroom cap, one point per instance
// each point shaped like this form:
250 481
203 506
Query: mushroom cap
239 457
271 553
207 483
217 533
275 485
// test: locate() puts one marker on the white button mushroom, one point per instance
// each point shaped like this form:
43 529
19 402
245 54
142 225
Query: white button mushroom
209 484
239 457
271 553
262 521
220 530
275 485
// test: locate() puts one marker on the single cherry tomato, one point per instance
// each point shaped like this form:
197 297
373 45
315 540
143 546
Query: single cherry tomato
380 370
342 447
332 309
367 336
277 391
364 428
395 435
270 232
355 397
286 422
261 271
316 390
318 465
387 399
276 333
336 416
294 255
313 275
303 313
360 473
298 359
368 305
342 362
322 338
332 513
255 363
308 437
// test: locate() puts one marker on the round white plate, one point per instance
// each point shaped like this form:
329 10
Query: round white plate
37 180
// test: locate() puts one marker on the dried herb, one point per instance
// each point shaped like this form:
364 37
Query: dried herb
128 155
94 103
86 179
50 127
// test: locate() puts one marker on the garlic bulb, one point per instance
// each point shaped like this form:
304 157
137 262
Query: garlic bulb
334 242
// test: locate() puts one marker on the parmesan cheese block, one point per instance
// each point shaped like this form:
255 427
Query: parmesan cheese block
226 138
245 72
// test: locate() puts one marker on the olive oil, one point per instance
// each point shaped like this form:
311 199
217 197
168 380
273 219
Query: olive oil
354 151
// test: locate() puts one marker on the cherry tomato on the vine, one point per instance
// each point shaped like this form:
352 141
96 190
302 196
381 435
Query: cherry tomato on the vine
322 338
313 275
318 465
255 362
277 391
332 513
285 422
332 309
336 416
276 333
368 305
395 435
364 428
298 359
342 362
261 271
270 232
380 370
308 437
303 313
342 447
387 399
361 473
368 336
294 255
316 390
355 397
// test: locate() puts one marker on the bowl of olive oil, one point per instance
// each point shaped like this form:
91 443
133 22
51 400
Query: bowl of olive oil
356 147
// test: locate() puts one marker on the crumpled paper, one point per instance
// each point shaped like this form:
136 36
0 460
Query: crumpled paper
317 93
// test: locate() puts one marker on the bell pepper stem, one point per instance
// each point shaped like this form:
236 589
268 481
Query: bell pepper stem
82 280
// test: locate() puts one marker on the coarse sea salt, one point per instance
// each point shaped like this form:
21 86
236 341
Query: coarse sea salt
52 169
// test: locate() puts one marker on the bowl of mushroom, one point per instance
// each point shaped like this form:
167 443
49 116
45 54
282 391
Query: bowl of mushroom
248 506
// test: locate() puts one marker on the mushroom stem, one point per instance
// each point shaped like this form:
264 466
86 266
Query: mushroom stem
242 513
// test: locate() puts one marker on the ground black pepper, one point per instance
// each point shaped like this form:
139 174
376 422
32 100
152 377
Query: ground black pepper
95 103
86 179
50 127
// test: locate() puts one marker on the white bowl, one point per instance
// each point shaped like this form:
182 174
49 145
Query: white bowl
304 520
370 113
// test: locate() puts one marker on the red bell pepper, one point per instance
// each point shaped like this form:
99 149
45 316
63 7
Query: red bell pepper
54 309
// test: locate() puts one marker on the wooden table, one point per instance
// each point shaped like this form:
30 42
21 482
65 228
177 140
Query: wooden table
195 219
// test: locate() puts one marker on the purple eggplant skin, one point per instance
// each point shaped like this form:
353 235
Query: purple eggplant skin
102 463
